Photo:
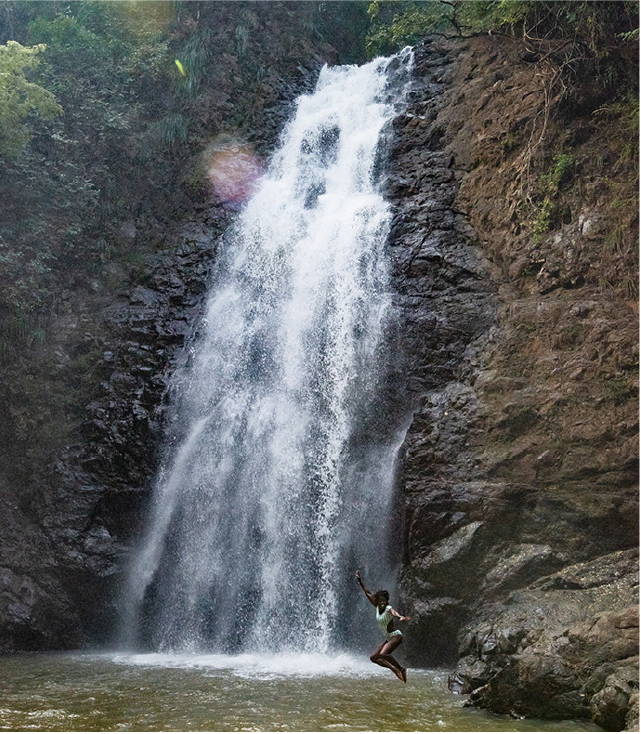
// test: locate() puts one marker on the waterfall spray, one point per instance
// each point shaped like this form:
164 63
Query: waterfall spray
282 480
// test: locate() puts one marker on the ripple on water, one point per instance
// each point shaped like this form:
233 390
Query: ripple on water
234 693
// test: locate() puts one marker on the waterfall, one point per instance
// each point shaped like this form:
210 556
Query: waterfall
281 483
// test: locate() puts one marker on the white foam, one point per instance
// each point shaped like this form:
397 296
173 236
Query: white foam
259 666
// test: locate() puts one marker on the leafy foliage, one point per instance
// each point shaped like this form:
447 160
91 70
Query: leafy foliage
344 25
627 110
97 120
550 184
69 129
171 129
391 31
595 24
397 24
21 98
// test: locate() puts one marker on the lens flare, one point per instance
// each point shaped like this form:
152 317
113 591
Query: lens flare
232 169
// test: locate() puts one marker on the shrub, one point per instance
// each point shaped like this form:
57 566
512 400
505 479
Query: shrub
598 26
550 185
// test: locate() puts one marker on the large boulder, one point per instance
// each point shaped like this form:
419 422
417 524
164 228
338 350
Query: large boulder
566 646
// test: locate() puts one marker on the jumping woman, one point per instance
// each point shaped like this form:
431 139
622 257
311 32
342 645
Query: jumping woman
393 637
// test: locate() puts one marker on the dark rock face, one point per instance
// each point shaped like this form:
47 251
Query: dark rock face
36 613
64 568
518 471
73 514
101 484
445 307
444 303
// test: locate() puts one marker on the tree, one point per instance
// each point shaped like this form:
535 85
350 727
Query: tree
21 98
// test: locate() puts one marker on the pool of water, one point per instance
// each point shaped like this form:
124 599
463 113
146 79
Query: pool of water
125 692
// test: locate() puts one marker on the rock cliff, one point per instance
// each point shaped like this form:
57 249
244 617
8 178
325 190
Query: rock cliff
519 467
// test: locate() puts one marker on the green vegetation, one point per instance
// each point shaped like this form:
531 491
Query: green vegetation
393 27
598 26
20 98
343 24
63 191
103 109
625 112
549 187
100 105
171 129
620 389
397 24
584 53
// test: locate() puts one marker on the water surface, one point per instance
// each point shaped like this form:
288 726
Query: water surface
75 692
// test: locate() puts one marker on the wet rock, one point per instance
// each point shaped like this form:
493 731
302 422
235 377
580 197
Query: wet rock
128 230
35 610
144 296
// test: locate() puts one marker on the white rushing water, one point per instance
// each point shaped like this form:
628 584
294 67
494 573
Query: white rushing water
257 666
281 484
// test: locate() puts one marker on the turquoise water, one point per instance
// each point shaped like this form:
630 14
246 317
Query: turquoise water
75 692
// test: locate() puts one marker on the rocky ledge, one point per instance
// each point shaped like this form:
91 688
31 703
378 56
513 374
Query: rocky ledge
564 647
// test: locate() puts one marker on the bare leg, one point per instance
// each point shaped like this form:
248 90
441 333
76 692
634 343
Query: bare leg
385 654
386 661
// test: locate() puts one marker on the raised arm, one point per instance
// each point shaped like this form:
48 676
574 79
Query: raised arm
367 593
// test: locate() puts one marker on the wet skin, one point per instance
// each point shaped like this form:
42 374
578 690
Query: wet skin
383 654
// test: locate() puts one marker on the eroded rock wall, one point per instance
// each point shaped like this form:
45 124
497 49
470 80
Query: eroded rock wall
446 304
520 461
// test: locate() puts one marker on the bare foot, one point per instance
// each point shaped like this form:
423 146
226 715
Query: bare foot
404 674
399 674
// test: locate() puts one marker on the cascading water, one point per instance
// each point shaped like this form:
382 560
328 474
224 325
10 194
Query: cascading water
282 482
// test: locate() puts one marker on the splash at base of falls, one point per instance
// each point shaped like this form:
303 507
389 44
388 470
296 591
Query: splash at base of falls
173 693
260 666
279 482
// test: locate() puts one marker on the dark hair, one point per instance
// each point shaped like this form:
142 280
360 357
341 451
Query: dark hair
382 594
